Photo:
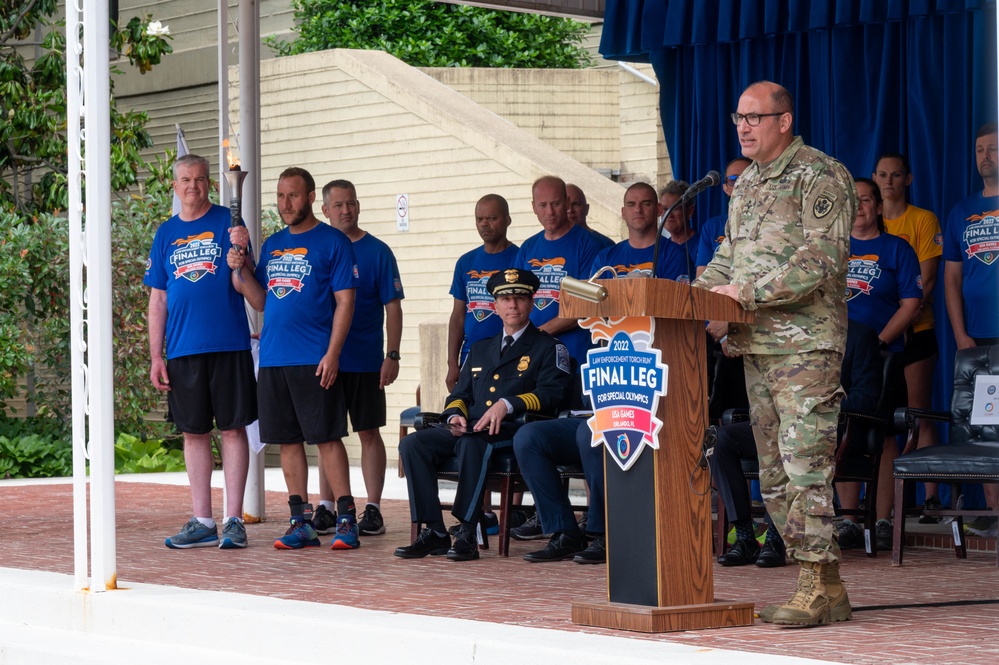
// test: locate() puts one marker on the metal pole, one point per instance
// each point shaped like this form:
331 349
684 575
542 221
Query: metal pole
77 344
97 141
249 153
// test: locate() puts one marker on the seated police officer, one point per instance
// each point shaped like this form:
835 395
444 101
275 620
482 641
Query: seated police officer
520 370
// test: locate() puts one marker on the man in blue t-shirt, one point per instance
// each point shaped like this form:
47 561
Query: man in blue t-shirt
712 232
473 316
577 209
561 249
971 253
679 227
971 268
195 310
305 285
365 368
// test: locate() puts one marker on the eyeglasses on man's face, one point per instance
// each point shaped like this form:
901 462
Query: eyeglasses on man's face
730 179
752 119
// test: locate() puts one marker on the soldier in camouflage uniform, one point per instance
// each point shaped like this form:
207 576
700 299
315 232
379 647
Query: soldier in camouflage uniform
785 256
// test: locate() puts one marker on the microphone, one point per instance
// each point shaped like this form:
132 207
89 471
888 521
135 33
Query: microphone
710 180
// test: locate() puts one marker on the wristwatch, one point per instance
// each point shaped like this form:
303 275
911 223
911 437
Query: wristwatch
393 355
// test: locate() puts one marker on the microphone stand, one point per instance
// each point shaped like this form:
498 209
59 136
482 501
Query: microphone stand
659 233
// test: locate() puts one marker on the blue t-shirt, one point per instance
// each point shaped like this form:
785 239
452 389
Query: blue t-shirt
972 237
676 261
471 273
624 259
551 260
881 272
187 260
300 272
378 284
710 239
604 241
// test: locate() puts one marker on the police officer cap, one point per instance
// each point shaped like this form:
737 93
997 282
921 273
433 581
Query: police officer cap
513 282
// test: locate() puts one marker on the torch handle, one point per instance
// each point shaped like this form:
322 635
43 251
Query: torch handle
235 218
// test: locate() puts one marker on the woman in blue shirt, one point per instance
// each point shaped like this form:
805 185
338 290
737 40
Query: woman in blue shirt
883 291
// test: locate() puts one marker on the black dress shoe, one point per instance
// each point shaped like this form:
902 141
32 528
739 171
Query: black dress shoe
595 553
559 548
426 543
772 555
743 553
464 548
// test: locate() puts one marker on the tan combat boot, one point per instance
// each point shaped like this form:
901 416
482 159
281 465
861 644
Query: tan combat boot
809 606
839 602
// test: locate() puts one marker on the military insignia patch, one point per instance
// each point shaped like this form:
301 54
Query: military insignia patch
523 364
823 205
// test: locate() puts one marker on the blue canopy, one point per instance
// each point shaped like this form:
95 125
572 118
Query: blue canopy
868 77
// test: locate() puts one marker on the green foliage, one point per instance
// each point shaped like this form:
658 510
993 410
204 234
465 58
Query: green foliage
33 149
133 455
40 448
35 456
34 243
424 33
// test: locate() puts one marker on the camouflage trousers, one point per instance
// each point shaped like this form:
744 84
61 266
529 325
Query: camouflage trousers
794 405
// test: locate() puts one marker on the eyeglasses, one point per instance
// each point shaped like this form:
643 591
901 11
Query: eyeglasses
752 119
731 179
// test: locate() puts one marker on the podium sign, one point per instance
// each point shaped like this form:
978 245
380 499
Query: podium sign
658 507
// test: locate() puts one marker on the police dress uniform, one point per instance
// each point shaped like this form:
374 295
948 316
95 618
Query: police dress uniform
532 375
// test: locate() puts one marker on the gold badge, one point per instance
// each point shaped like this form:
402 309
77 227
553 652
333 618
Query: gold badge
524 362
511 276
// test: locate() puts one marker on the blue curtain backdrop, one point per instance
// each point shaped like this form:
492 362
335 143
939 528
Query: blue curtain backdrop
868 76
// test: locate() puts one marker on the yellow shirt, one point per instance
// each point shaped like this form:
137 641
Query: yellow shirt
921 230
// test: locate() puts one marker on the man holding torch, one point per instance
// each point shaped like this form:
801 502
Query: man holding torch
197 314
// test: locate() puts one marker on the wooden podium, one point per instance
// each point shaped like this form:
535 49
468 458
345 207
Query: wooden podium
658 512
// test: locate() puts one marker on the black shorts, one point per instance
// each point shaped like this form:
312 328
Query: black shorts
362 399
294 407
986 341
209 390
920 346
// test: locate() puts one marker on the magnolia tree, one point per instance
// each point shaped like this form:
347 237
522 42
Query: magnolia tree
34 319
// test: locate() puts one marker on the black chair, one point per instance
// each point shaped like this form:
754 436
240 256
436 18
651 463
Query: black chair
504 477
858 456
971 457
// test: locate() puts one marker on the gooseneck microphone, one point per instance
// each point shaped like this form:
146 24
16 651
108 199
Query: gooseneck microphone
710 180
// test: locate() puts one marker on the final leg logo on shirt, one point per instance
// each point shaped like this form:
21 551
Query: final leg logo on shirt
981 238
195 256
550 273
287 272
480 303
624 380
861 274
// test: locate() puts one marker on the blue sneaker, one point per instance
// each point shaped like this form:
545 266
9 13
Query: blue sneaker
346 534
233 535
194 534
301 534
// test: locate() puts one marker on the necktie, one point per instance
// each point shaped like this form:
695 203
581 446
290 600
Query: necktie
507 343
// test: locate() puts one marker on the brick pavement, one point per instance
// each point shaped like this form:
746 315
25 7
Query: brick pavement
36 533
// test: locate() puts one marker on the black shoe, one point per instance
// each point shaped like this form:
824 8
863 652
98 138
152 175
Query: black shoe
743 553
529 530
426 543
772 555
595 553
464 548
370 523
559 548
324 521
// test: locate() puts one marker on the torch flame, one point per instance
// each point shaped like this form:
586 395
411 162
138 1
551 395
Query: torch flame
233 162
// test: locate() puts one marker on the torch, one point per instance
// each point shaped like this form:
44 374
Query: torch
234 176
